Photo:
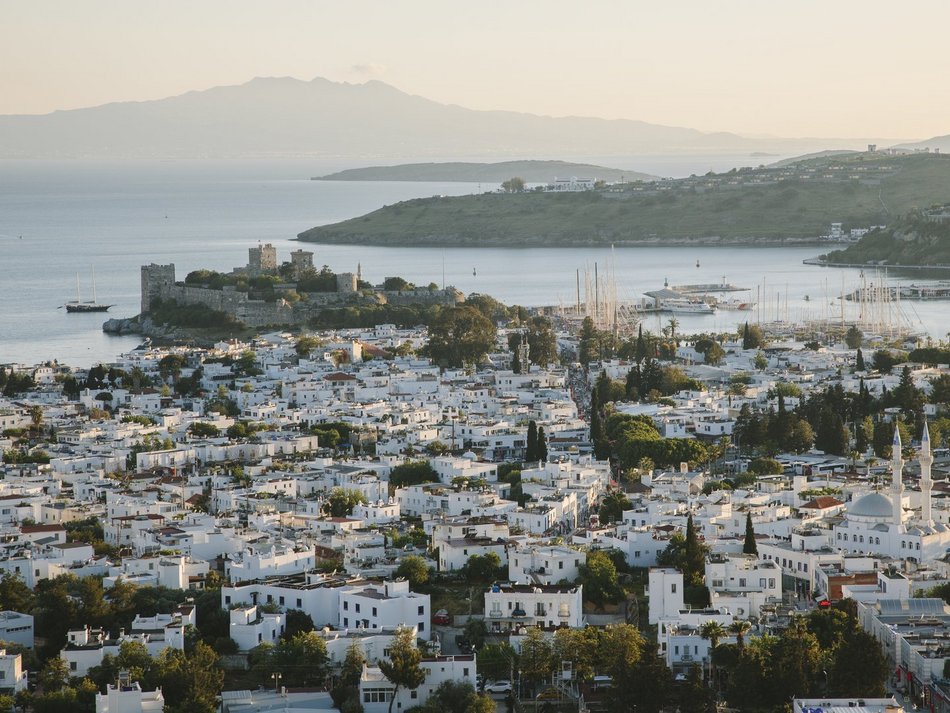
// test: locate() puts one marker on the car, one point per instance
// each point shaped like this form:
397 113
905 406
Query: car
441 618
498 687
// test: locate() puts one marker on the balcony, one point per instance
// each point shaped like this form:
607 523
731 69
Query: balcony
519 613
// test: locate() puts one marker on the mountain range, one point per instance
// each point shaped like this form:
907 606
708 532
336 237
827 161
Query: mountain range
286 117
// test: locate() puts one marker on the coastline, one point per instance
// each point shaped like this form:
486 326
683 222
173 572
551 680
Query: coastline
817 262
712 241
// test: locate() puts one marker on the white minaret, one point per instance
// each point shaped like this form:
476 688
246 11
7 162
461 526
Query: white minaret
897 484
926 459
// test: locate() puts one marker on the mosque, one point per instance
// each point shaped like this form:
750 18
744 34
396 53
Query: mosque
875 524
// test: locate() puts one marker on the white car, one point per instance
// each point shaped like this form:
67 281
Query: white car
498 687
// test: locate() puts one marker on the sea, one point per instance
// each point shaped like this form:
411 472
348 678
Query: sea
64 224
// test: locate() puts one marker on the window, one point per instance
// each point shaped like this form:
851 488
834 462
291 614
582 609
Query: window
346 606
357 608
374 611
282 601
72 665
377 695
560 565
299 603
741 581
422 626
346 623
673 589
413 694
422 610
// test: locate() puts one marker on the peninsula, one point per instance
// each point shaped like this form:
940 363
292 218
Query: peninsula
920 239
472 172
790 203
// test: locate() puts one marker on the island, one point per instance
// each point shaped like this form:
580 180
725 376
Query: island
469 172
783 204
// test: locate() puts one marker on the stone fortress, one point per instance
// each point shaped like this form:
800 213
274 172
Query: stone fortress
159 285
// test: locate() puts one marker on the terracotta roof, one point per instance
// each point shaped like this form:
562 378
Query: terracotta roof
29 529
339 376
822 502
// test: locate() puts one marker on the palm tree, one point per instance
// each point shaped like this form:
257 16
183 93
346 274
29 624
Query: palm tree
673 324
739 627
713 631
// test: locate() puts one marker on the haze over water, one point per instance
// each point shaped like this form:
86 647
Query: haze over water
76 216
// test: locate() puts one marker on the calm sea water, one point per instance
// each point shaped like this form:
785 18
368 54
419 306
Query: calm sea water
59 219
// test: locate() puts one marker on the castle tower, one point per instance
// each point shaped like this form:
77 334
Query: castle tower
262 260
157 281
302 262
897 483
524 353
926 460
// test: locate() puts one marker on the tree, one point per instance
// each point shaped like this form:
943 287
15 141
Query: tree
531 445
54 675
739 628
599 578
694 563
515 184
536 660
301 661
859 668
859 361
201 429
475 632
460 336
713 631
353 663
414 569
412 473
402 668
542 445
482 568
643 687
854 337
191 683
612 507
749 546
342 501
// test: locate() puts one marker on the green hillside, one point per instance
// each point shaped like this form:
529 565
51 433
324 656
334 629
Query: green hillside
530 171
914 240
770 205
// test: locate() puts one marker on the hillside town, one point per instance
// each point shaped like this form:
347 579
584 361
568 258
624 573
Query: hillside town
370 519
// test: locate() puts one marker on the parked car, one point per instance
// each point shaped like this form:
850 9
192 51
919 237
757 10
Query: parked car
498 687
441 618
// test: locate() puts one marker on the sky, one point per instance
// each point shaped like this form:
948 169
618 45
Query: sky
828 68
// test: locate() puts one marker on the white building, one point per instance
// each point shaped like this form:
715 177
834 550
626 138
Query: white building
13 678
376 691
251 627
512 606
374 606
128 697
534 564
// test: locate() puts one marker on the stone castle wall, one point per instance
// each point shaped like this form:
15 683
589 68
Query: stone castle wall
158 283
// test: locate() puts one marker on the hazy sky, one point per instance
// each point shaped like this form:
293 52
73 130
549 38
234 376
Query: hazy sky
845 68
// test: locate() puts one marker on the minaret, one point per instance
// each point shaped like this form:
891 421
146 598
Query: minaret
926 459
897 485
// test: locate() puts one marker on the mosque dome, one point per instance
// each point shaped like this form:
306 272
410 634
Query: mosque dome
876 505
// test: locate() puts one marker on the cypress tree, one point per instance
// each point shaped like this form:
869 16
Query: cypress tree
694 563
746 338
516 361
749 547
542 445
859 361
531 448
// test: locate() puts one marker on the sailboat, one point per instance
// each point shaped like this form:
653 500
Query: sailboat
78 305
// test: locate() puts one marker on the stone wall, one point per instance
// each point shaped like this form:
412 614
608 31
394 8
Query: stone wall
158 283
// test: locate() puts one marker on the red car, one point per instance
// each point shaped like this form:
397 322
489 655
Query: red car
441 618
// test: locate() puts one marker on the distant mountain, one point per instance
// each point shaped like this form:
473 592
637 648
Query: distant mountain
940 143
530 171
283 117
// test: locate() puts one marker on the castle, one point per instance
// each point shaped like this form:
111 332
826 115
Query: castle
159 285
